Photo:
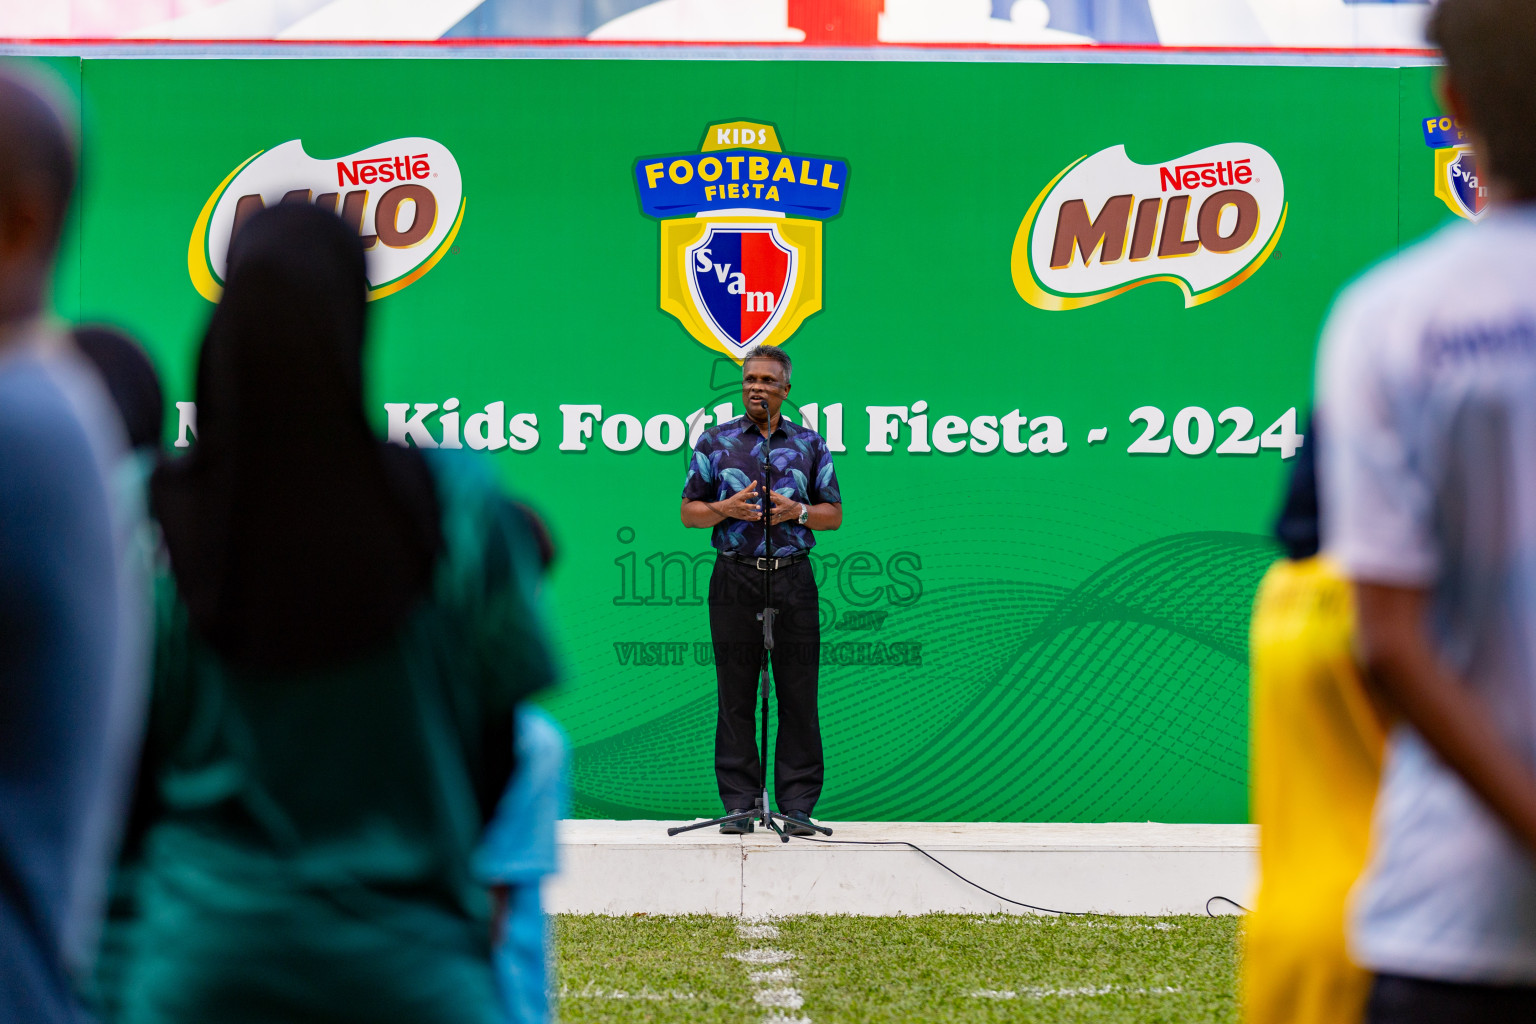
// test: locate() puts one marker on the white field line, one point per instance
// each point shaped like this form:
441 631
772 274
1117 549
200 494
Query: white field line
1160 926
762 956
645 992
1071 993
773 989
783 998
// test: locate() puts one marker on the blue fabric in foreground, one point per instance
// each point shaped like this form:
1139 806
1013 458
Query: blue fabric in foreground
518 851
58 620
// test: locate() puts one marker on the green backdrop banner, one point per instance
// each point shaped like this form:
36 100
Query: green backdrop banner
1057 320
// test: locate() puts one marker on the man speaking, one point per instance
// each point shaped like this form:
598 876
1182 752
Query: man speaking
734 466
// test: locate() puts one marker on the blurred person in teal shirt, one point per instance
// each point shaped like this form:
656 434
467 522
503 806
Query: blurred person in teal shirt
344 630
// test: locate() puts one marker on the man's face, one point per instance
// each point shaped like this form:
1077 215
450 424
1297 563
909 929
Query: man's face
763 388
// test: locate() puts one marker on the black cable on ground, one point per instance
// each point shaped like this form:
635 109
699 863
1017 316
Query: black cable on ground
978 885
946 867
1224 899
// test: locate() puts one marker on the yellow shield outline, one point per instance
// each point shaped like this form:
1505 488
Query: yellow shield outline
1443 191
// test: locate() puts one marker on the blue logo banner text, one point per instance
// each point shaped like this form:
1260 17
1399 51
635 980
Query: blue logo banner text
692 183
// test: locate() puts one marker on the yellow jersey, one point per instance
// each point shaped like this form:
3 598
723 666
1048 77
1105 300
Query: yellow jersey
1315 760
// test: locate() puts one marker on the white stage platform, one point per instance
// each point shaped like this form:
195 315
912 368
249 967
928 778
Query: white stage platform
629 867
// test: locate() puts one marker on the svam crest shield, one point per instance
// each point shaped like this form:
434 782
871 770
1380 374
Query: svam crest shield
1466 184
741 277
740 281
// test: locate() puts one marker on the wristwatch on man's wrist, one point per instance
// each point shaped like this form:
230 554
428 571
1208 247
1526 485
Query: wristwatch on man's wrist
805 513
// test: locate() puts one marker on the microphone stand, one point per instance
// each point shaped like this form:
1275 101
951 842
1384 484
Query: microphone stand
770 819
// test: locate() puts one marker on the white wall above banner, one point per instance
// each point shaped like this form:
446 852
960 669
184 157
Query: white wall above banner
214 19
901 21
381 19
1341 24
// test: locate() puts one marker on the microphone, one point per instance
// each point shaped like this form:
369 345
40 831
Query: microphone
767 490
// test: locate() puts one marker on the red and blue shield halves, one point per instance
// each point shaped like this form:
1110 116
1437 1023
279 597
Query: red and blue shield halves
1467 184
741 277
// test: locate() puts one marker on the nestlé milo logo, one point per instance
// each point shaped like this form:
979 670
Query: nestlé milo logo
1106 224
404 197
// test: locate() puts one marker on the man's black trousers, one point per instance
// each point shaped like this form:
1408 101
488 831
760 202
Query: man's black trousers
735 599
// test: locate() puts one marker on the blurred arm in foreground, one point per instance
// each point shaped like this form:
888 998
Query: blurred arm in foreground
1410 677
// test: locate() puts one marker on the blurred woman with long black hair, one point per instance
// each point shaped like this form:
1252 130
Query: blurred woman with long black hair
344 631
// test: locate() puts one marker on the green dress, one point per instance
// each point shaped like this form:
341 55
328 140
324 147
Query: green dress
312 858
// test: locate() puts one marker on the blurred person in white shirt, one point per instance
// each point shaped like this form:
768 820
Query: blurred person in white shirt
1427 399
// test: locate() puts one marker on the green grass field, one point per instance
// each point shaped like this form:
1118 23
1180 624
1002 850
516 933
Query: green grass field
862 970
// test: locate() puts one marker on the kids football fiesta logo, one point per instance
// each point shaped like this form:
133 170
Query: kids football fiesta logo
741 234
1204 222
1457 182
404 197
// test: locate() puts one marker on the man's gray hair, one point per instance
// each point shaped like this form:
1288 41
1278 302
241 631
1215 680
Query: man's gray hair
770 352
